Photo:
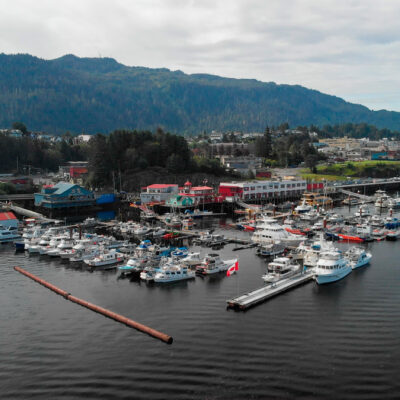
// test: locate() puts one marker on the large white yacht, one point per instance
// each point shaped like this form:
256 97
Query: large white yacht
269 231
331 267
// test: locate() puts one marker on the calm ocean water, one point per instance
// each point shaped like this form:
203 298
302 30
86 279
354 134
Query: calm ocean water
339 341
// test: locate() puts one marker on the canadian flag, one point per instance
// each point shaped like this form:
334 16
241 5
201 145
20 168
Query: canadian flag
232 269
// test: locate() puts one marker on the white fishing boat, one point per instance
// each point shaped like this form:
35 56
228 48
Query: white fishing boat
159 232
173 273
148 274
192 258
382 199
363 211
34 246
376 221
303 207
54 242
280 268
87 254
358 257
133 265
318 226
270 250
64 245
331 267
104 259
394 202
309 216
213 264
142 230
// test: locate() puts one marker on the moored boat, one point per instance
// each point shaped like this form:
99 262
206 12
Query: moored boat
280 268
331 267
213 264
173 273
358 257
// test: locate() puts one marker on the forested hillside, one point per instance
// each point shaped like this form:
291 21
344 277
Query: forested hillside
100 95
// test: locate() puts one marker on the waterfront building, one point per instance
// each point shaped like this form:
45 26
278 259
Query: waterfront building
158 192
192 196
64 195
257 190
8 220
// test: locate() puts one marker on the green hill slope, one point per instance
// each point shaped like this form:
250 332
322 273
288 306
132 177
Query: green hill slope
100 95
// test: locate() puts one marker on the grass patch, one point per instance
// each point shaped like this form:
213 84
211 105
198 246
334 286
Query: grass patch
356 169
321 177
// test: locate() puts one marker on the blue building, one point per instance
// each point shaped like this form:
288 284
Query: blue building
64 195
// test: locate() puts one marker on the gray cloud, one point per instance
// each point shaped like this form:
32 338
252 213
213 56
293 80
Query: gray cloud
347 48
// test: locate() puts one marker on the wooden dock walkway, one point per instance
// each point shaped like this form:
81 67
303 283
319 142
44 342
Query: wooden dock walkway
257 296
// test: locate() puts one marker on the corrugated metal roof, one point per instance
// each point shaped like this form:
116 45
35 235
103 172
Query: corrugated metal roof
6 216
62 187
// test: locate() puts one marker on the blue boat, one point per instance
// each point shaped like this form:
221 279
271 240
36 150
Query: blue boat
393 224
20 246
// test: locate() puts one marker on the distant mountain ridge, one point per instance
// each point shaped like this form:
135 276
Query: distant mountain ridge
99 95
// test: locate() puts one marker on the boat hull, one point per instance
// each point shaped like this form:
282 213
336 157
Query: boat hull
362 263
323 279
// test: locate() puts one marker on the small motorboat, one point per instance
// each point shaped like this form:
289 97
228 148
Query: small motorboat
280 268
270 250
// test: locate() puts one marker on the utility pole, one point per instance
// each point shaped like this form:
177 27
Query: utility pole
113 176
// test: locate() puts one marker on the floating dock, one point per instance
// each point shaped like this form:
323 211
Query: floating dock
257 296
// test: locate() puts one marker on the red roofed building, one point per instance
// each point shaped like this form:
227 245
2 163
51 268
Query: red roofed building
8 219
158 192
200 194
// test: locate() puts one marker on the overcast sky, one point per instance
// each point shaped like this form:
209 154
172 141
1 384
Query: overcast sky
349 48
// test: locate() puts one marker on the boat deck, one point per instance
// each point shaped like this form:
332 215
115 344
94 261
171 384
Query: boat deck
257 296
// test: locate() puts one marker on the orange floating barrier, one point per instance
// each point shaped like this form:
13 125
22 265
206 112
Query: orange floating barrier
110 314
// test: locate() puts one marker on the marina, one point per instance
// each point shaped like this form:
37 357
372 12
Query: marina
129 287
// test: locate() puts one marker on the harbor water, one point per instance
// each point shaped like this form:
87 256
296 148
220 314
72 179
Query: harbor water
339 341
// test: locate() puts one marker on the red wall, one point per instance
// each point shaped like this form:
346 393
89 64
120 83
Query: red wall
76 171
228 191
315 186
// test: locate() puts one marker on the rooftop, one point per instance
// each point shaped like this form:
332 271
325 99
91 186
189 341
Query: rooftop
162 185
4 216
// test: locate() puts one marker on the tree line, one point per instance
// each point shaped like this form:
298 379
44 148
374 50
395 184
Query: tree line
125 152
27 154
